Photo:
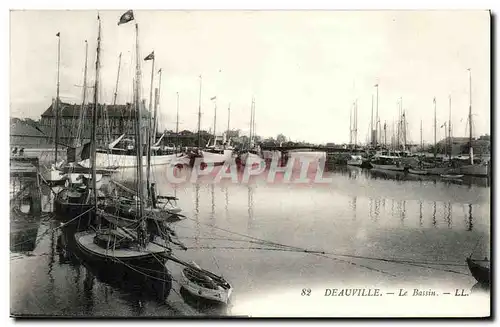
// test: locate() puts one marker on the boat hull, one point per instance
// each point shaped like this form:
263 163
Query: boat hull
107 160
67 208
251 159
417 171
388 167
452 176
479 272
136 260
216 159
474 170
356 163
217 295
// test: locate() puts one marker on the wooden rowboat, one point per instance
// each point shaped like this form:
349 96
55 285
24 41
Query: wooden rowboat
196 282
452 176
480 270
418 171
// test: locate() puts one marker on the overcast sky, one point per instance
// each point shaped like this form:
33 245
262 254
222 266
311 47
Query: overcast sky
303 68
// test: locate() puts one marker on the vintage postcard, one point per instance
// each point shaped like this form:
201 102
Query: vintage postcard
252 164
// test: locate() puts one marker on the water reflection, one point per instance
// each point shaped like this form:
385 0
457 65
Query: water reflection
197 213
135 287
23 237
212 212
226 207
356 172
470 223
88 285
434 209
354 200
449 219
403 212
420 216
250 206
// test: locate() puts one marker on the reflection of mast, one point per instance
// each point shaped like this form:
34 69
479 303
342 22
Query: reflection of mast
434 214
448 215
470 220
250 205
213 201
420 215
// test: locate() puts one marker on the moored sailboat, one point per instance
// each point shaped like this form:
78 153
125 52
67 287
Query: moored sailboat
124 242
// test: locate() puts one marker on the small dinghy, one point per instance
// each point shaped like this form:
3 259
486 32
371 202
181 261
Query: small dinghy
480 270
205 284
452 176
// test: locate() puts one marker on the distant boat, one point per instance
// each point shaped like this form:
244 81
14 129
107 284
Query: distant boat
475 170
387 162
480 270
355 160
452 176
418 171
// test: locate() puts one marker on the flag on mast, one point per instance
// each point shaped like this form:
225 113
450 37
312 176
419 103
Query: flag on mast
213 98
150 56
58 34
126 17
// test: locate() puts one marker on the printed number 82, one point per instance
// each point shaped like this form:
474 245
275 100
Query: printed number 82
306 292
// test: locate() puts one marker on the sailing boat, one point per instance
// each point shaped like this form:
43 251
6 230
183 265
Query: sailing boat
120 152
474 169
216 153
124 242
251 157
53 176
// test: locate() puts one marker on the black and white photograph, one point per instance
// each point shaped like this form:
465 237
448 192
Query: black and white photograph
250 163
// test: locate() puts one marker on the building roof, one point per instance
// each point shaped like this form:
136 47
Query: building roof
72 110
19 127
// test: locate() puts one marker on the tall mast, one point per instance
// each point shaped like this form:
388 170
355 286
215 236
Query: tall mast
155 116
149 141
421 139
117 78
404 130
215 120
350 124
199 116
385 134
138 117
471 152
56 107
155 130
177 121
371 126
398 124
376 119
355 123
84 96
449 129
253 123
228 120
94 114
435 126
251 126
